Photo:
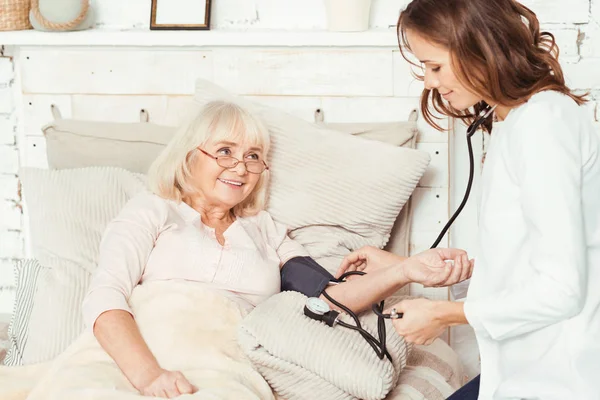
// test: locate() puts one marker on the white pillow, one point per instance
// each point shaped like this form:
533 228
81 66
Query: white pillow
335 191
68 213
69 209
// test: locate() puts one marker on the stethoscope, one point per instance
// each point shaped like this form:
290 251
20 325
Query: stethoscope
318 309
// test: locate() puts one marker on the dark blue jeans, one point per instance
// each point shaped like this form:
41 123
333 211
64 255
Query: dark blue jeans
468 392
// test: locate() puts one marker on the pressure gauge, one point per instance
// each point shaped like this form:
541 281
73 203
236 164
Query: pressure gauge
316 306
318 309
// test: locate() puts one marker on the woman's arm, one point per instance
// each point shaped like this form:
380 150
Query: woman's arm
385 272
119 336
429 268
124 251
360 294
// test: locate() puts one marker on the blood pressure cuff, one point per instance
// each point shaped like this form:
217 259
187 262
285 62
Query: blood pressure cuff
305 275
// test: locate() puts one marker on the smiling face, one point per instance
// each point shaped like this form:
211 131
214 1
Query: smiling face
225 187
437 69
183 172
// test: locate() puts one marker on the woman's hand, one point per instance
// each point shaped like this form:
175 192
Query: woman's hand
438 267
420 323
168 384
368 259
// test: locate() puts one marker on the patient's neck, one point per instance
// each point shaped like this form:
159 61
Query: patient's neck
215 216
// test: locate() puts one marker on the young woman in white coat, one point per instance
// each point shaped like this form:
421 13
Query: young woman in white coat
534 297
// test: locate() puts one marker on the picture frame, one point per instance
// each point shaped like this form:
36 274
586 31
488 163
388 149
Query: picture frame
180 15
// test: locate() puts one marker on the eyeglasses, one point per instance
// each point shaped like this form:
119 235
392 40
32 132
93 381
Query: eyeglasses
228 162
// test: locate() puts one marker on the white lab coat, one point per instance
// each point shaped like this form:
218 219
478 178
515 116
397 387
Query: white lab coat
534 298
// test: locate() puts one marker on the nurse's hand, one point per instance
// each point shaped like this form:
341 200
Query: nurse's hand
368 259
420 323
438 267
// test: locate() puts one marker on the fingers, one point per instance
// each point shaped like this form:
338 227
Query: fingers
345 264
184 386
468 271
461 269
170 384
450 254
460 264
171 391
166 392
351 262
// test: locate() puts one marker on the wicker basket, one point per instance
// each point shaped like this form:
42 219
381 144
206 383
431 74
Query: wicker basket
14 15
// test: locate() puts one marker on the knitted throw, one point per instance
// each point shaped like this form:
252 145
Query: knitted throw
305 359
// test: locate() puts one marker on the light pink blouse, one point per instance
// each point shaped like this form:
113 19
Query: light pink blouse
157 239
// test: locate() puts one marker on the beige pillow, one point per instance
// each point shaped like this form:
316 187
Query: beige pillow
69 209
402 134
132 146
68 213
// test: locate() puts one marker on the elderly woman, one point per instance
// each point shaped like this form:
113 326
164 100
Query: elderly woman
205 222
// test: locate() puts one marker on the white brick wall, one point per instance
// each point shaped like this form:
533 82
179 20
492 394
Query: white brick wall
11 245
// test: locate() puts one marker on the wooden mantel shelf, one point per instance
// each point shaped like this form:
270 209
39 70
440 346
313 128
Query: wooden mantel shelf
212 38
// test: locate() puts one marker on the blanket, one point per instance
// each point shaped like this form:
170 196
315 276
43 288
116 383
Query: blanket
187 326
194 329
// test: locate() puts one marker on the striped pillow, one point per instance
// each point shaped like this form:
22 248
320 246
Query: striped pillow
55 319
26 274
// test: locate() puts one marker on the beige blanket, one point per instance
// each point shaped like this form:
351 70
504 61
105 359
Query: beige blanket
188 328
194 330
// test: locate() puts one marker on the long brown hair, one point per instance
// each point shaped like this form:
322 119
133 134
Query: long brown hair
496 49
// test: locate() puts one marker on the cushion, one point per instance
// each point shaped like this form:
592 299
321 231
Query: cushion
280 341
398 134
402 133
76 143
336 192
56 319
68 213
26 276
69 209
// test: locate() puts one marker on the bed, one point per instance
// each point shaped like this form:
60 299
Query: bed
67 218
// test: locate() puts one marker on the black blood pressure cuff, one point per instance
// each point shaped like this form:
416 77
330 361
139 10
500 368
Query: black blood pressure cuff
305 275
